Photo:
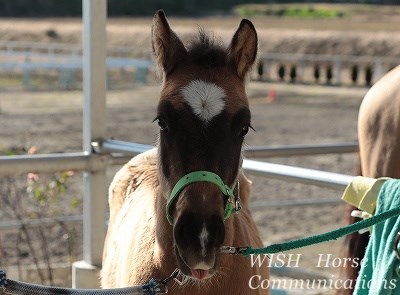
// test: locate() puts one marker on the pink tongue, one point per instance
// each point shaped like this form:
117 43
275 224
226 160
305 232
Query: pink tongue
199 274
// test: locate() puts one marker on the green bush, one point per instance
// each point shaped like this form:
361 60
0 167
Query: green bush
301 11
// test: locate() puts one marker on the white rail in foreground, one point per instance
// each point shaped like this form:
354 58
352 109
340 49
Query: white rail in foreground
278 171
11 165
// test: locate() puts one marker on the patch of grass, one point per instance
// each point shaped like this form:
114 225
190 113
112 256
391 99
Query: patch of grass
311 12
7 81
307 11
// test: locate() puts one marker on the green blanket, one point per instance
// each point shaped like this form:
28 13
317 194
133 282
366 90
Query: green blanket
380 271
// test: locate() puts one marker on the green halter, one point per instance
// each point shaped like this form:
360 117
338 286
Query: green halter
232 204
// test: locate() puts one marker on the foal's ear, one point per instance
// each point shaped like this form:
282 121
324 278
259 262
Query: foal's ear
168 49
242 51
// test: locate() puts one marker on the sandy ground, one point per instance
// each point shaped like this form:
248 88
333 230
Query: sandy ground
300 115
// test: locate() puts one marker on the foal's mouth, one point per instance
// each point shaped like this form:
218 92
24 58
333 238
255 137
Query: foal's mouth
200 271
197 273
201 274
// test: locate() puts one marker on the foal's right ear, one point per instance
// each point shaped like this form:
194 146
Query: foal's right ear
243 49
168 49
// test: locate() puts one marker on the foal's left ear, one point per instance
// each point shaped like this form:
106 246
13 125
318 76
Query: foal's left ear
242 51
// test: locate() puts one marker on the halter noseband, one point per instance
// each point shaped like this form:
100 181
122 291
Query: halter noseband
232 204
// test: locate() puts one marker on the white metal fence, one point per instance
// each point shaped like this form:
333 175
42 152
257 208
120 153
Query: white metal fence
289 67
320 68
66 59
115 152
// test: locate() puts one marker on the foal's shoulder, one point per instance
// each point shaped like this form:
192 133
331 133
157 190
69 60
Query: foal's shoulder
141 170
245 188
146 159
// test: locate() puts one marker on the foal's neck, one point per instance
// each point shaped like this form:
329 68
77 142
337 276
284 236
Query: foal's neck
164 231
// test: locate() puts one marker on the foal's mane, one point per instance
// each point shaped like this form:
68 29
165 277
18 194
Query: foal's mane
206 50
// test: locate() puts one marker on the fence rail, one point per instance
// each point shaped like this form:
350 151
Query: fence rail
68 49
109 152
300 150
29 60
92 162
277 171
313 68
67 59
8 224
289 67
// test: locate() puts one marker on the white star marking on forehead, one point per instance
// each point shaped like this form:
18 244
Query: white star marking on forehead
205 99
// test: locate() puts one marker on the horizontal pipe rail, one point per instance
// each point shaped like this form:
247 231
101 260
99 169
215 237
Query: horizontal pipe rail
46 163
300 150
118 146
294 203
50 48
11 165
60 61
296 174
308 176
71 49
8 224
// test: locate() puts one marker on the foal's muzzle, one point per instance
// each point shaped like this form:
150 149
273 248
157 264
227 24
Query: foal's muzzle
198 238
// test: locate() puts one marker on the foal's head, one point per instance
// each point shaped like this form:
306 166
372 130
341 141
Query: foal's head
203 116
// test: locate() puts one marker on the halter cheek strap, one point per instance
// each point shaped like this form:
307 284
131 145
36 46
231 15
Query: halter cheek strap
232 204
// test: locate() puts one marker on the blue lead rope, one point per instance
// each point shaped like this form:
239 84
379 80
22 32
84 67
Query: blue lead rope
153 287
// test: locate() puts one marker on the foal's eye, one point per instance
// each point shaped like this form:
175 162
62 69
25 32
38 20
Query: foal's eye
163 125
244 131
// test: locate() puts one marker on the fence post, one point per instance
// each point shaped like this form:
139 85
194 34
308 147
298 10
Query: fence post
378 71
337 71
86 273
302 70
27 74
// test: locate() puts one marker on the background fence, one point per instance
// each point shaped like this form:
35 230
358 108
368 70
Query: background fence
66 60
324 69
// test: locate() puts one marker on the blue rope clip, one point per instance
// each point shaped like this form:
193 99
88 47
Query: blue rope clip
3 279
155 287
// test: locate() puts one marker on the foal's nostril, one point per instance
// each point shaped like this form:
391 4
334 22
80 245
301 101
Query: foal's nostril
218 226
200 235
181 233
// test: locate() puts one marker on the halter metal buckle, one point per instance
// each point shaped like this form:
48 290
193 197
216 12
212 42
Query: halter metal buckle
232 250
179 278
237 205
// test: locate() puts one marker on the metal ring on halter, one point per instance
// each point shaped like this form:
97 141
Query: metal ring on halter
396 245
